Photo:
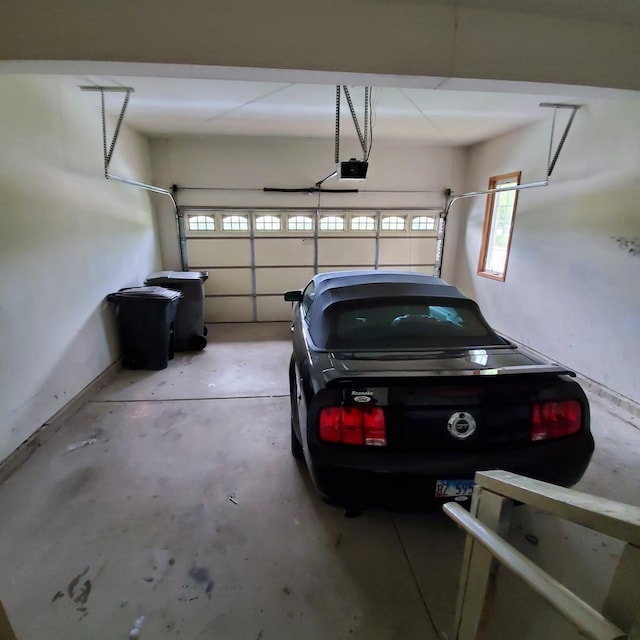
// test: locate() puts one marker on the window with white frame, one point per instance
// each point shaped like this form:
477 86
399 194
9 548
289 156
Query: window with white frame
393 223
423 223
268 223
363 223
332 223
300 223
202 223
235 223
498 226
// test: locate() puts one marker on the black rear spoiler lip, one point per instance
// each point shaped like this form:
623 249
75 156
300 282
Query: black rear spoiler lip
331 375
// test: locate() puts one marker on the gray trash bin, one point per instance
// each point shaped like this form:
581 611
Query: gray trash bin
146 317
190 332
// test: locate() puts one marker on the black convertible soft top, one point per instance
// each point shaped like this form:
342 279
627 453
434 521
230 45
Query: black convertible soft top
353 281
342 287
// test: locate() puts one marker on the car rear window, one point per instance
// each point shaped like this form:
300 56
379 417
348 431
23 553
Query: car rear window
385 325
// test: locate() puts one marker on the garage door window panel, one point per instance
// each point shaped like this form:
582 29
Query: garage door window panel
202 223
393 223
363 223
235 223
257 260
268 223
423 223
332 223
300 223
498 226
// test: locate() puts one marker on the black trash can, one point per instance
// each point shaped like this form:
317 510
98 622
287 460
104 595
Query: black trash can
190 332
146 317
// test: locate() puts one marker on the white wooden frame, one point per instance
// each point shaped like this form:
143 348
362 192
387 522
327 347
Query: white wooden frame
485 547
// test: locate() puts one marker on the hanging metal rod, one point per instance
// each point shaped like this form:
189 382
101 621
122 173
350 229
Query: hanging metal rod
143 185
530 185
366 121
362 138
107 155
337 130
320 182
356 124
472 194
551 163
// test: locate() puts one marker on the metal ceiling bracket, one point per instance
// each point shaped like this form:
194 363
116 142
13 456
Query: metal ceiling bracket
127 91
337 142
108 154
362 138
368 92
551 162
356 124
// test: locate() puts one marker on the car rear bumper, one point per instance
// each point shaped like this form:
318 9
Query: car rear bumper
408 481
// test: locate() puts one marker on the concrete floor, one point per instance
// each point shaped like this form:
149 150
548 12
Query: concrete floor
184 506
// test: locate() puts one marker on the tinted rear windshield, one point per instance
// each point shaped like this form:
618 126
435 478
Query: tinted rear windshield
384 325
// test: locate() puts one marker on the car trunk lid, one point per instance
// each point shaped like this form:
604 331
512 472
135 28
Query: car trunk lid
447 400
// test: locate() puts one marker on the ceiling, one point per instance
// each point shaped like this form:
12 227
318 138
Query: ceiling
440 115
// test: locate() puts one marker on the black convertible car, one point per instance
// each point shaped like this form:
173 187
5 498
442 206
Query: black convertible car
401 391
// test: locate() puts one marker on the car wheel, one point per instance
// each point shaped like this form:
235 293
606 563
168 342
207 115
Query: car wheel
296 447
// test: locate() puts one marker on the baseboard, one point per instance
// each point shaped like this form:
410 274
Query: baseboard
609 395
593 386
19 456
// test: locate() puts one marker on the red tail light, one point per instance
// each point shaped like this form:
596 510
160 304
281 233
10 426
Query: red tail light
352 419
375 430
555 419
331 424
353 425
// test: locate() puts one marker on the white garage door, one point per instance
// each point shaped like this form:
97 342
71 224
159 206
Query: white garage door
253 256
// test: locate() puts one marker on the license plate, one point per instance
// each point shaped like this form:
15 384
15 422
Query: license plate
454 488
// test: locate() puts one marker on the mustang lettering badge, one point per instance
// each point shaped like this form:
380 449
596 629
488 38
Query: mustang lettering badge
461 425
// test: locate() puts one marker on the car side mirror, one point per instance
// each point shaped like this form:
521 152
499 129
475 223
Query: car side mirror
293 296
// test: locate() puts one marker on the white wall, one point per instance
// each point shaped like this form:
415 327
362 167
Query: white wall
249 164
67 238
572 289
